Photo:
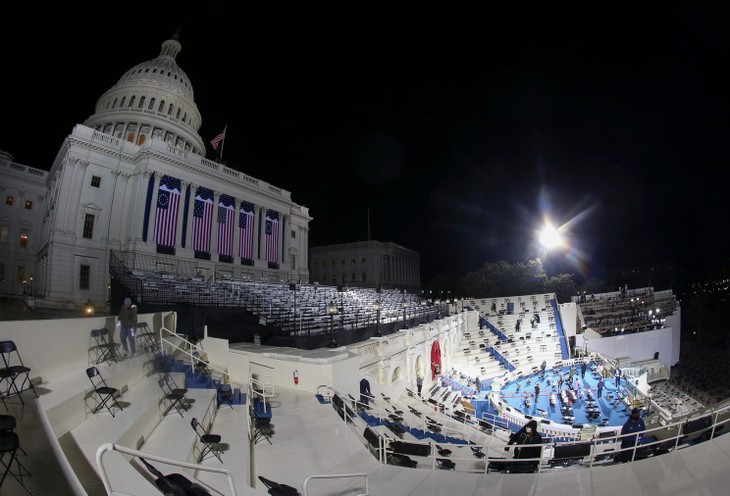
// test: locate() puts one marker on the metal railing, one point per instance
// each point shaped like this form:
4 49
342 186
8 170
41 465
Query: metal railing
606 447
337 476
179 345
105 448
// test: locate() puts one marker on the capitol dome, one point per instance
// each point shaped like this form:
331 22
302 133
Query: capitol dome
153 99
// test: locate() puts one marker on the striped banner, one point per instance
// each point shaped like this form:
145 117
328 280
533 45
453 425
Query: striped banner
168 200
226 218
245 230
202 219
272 236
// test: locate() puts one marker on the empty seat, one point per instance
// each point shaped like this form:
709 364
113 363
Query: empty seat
106 350
14 372
103 391
278 489
210 442
174 398
9 446
145 335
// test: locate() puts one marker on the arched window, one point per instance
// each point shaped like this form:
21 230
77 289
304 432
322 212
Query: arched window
121 104
152 104
162 106
169 111
177 116
131 101
141 103
141 139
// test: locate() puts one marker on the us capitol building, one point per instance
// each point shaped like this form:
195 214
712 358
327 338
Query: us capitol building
133 182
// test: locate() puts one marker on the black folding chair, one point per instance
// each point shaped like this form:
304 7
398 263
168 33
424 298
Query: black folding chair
200 364
107 351
145 335
174 484
173 398
278 489
103 390
210 442
9 446
263 429
174 388
13 371
225 394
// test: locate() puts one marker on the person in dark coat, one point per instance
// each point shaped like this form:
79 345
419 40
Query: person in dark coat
600 387
583 368
526 435
634 424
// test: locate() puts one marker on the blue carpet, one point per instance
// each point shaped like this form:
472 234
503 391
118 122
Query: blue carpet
513 394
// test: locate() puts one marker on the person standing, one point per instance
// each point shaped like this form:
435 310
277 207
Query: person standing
526 435
537 393
600 387
634 425
583 368
419 383
127 323
618 377
478 385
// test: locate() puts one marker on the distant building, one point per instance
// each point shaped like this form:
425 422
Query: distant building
132 184
22 193
366 264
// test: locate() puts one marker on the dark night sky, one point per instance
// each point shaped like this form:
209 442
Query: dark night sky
455 129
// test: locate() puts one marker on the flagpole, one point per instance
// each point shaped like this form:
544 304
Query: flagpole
223 142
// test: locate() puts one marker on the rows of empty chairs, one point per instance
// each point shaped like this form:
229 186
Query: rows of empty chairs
626 311
293 309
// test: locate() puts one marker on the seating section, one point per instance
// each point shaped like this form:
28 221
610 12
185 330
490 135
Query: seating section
294 309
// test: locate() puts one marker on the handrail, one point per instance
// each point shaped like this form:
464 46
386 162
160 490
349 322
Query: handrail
190 354
670 437
104 448
263 387
338 476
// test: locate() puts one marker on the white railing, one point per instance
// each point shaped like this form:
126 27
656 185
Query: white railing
260 386
603 447
105 448
337 476
178 344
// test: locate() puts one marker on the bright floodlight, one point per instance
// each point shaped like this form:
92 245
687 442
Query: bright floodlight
550 237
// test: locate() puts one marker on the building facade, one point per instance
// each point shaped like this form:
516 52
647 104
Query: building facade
133 180
366 264
23 193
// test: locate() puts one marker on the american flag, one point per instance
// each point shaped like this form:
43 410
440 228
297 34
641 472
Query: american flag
245 230
272 236
216 141
202 216
168 200
226 217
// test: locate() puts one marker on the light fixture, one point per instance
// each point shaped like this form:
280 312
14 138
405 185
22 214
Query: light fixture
377 308
332 310
89 308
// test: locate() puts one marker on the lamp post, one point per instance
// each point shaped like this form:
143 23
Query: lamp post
332 310
377 307
404 305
